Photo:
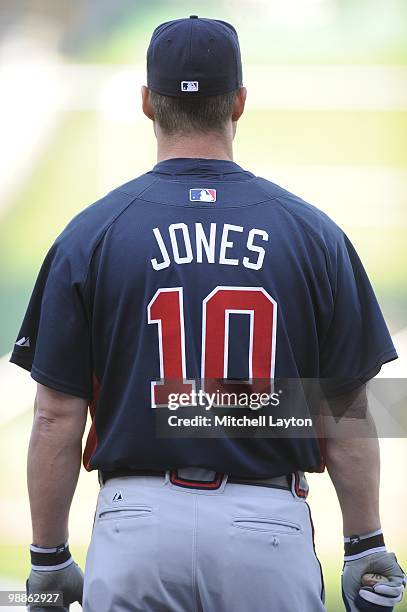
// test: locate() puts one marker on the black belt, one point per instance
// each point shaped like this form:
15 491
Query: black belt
275 482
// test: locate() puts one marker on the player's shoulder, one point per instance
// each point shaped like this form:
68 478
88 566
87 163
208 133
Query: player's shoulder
81 237
308 218
88 227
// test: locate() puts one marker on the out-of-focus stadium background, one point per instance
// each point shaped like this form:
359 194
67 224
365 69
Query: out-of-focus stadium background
326 118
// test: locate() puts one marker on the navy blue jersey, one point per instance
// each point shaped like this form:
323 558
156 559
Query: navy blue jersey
155 281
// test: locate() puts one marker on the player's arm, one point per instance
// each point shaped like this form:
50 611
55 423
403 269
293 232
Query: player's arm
353 462
54 459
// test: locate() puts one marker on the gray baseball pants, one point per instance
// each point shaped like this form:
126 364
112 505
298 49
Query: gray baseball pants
159 547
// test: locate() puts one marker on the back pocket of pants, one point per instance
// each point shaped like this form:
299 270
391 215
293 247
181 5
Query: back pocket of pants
124 512
267 525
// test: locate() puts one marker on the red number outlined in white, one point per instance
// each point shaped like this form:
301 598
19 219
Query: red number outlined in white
171 368
214 367
262 338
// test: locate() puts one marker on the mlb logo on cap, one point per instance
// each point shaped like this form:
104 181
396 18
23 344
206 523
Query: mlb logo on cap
189 86
202 195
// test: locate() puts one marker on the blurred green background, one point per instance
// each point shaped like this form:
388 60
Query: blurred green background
326 118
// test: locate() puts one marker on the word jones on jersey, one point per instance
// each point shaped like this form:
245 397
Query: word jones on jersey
211 244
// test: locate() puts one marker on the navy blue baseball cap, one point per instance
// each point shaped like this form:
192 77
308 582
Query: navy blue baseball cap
194 57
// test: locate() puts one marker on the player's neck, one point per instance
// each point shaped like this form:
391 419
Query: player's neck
204 146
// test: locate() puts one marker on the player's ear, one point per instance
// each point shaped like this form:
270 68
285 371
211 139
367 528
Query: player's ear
239 104
146 103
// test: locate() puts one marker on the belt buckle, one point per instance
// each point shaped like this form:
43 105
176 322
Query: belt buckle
190 483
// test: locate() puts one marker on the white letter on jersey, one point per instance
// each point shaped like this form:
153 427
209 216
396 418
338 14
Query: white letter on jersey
202 241
187 241
166 259
228 245
256 249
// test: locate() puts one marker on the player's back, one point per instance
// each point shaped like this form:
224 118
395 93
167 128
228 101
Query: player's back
196 272
187 252
210 273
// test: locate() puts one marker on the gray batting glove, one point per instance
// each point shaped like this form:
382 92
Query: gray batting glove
53 569
387 594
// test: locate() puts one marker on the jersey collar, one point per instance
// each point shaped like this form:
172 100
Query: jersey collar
199 166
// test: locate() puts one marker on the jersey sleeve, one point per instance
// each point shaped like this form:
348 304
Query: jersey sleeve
357 342
54 341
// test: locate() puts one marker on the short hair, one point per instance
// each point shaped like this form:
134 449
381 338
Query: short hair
183 115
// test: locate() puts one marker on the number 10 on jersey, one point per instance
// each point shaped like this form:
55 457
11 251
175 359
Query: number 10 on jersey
166 310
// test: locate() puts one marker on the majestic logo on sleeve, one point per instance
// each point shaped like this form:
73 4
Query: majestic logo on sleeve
25 342
202 195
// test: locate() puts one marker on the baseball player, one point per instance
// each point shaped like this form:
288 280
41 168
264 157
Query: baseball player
196 273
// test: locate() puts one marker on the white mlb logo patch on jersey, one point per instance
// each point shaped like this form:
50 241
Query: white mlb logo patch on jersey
202 195
189 86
